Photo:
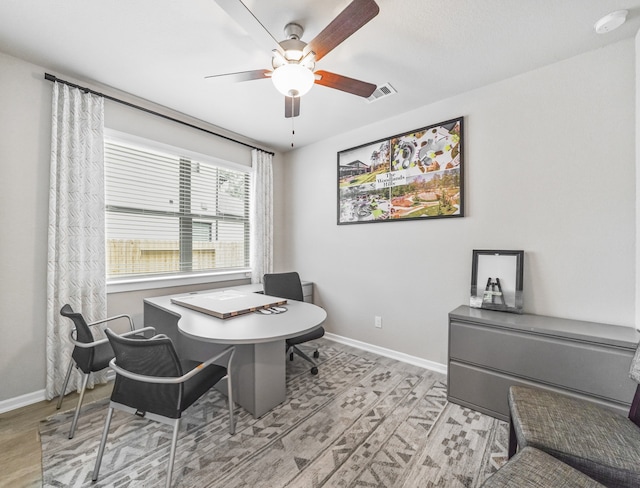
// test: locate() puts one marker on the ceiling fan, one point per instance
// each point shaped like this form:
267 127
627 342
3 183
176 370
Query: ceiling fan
293 62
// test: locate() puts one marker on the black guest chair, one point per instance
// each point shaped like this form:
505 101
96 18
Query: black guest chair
154 383
289 286
600 443
89 355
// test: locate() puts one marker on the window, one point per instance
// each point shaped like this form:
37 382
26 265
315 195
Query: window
168 214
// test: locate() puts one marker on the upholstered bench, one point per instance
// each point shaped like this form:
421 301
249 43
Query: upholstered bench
531 468
594 440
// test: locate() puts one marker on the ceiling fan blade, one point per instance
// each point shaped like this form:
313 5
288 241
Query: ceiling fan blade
357 14
257 74
291 107
344 83
241 14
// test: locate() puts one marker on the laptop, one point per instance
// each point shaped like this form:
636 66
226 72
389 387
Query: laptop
227 303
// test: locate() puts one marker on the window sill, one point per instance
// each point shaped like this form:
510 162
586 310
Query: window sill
149 283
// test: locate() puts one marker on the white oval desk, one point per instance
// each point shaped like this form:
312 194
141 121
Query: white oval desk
258 369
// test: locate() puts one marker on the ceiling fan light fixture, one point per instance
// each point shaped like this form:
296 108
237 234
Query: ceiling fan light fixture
278 59
293 54
292 80
293 49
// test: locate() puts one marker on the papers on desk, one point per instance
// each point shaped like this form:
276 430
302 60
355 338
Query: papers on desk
227 303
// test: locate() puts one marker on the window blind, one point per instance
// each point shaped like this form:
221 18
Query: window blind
167 214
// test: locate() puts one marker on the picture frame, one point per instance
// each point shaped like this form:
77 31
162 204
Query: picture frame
416 175
497 280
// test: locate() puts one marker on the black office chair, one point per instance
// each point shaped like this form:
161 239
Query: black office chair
89 355
151 382
289 286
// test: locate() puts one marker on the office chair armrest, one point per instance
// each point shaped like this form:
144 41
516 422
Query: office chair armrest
172 379
115 317
159 336
87 345
231 350
138 331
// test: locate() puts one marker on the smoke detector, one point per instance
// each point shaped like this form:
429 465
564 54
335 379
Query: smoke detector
611 21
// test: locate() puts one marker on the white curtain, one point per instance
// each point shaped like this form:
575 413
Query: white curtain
261 215
76 246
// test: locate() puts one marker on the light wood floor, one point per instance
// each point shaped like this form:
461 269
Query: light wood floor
21 460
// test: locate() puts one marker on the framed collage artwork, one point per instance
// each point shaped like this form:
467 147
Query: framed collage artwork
417 175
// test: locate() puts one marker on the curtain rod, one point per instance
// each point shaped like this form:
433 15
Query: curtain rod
51 77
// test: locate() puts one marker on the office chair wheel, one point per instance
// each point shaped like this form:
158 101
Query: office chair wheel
316 354
314 370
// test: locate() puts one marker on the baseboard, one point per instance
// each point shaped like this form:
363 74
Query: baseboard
35 397
389 353
21 401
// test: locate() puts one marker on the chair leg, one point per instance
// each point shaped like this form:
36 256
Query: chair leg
232 423
103 442
513 441
64 387
72 431
172 454
300 353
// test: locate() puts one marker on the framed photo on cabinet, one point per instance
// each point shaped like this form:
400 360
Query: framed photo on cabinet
496 280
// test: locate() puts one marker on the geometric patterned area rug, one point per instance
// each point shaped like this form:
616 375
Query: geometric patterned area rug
363 421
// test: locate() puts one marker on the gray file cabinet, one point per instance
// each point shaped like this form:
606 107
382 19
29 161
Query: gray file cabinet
490 351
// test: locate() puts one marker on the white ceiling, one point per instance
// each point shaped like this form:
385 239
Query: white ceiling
429 50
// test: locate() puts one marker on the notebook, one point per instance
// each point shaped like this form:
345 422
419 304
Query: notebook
227 303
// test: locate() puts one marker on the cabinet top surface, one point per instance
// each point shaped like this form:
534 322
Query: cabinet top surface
614 335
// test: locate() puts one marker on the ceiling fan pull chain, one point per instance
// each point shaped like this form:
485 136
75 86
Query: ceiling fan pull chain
293 124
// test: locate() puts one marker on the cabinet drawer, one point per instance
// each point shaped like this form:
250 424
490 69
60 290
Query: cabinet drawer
583 367
488 391
307 292
479 389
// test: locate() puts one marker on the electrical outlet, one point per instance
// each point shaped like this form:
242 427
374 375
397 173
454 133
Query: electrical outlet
378 322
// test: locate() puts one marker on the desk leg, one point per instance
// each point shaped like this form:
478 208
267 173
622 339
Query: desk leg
259 376
257 372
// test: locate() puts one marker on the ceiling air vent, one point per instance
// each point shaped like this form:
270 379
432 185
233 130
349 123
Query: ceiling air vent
382 91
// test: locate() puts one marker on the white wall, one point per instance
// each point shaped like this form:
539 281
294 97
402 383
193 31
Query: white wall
637 125
549 162
25 132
